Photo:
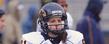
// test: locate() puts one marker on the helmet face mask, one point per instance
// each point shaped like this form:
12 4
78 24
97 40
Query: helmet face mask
53 18
55 24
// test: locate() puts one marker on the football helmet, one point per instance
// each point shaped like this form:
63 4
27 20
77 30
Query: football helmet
50 10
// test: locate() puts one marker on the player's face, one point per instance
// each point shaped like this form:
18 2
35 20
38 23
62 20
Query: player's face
1 23
55 23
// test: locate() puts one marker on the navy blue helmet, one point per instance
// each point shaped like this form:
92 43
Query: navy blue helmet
49 10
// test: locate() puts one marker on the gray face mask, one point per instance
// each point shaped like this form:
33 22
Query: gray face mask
58 27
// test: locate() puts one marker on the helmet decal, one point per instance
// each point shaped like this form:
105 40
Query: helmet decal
42 13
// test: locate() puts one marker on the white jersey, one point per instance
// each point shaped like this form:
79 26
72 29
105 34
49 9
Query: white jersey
70 20
73 37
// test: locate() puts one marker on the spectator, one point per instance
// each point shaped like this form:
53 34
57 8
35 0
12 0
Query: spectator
12 31
89 24
27 24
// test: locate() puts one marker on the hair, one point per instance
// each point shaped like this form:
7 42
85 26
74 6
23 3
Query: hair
63 37
13 10
12 32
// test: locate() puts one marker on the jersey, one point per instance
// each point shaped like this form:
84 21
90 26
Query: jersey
70 20
73 37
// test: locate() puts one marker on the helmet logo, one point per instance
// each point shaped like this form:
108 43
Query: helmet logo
42 13
58 12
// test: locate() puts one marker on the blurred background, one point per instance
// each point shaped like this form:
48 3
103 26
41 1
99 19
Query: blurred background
75 7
